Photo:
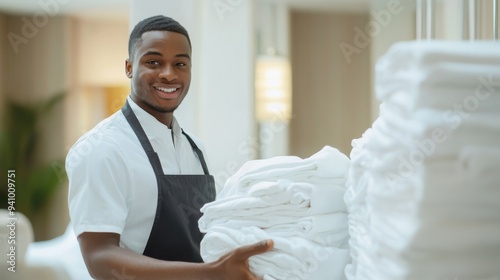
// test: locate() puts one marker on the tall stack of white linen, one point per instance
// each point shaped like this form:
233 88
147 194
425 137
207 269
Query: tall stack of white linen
424 186
296 202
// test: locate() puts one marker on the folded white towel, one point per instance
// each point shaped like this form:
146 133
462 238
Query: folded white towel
297 199
280 186
397 129
414 67
291 257
325 229
327 163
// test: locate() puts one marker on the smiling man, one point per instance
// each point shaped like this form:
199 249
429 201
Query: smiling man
138 181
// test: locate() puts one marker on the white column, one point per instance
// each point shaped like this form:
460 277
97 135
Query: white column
219 108
395 20
449 20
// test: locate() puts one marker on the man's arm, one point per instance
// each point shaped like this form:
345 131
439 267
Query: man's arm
105 259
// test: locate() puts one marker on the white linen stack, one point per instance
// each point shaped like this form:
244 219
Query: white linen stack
424 186
296 202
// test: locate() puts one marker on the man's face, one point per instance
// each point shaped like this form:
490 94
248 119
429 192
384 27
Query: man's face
160 71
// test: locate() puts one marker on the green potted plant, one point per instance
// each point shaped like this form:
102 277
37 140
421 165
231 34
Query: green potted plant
35 181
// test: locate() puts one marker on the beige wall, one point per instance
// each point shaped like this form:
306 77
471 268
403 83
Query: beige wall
331 97
102 51
38 69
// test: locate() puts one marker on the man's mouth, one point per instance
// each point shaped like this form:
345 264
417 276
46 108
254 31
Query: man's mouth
167 92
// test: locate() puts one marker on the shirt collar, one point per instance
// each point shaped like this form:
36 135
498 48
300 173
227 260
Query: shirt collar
153 127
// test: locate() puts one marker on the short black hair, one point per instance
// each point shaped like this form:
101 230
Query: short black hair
155 23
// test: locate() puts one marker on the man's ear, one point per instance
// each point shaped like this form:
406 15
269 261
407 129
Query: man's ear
128 68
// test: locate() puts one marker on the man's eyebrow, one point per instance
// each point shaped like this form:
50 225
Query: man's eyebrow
183 55
159 54
152 53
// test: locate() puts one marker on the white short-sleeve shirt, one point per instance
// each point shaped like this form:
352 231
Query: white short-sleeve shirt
112 186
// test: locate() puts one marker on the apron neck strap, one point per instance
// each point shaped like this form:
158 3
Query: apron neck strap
198 152
146 145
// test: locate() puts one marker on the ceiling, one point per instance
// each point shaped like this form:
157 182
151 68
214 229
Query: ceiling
119 8
110 8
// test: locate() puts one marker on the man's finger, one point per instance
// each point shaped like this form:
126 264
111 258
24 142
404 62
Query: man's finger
246 252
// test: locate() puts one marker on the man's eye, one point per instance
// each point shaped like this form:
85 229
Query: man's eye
181 64
153 62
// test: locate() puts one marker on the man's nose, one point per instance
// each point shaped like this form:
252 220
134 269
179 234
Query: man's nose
168 73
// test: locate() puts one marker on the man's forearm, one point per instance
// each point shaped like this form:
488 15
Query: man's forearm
106 260
118 263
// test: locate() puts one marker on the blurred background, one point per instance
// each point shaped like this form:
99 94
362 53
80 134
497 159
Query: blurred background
270 77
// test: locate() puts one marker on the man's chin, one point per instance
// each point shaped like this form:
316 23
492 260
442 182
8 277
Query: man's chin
162 109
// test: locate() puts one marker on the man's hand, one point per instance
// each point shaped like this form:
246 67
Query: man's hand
234 265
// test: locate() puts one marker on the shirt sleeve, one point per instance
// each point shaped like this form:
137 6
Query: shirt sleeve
98 186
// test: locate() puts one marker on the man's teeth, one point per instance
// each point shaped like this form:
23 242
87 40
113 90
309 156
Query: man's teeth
166 89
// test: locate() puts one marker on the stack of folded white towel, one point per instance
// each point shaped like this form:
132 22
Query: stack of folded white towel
424 186
296 202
